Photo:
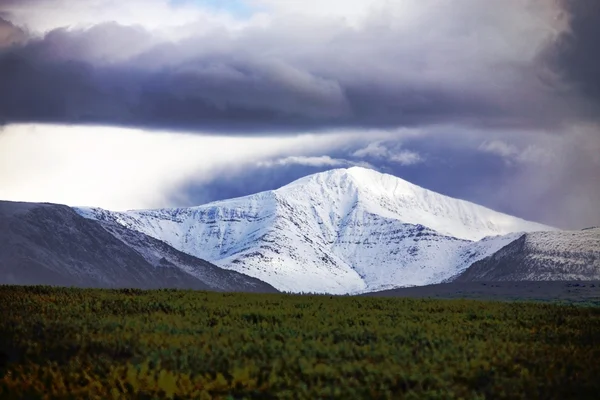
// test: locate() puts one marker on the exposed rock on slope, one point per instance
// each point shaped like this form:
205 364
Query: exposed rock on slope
53 245
541 256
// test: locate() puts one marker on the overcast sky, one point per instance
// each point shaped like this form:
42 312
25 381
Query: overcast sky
155 103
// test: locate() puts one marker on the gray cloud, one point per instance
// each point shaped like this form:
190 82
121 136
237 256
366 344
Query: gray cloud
472 67
312 161
537 175
10 34
509 90
563 193
574 56
531 153
391 152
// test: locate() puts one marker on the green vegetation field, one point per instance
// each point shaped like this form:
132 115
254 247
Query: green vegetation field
72 343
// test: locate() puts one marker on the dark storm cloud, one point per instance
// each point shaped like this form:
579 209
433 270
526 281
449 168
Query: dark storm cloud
295 74
516 94
576 54
64 78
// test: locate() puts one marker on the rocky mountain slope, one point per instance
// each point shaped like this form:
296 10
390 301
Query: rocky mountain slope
53 245
342 231
541 256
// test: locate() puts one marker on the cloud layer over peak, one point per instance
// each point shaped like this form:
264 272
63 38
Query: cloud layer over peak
285 67
497 102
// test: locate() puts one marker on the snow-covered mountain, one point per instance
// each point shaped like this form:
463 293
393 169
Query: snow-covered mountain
542 256
341 231
50 244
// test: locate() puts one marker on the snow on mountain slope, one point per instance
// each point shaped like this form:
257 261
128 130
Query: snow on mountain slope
542 256
50 244
161 255
395 198
341 231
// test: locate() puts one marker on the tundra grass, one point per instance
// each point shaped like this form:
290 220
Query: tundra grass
104 344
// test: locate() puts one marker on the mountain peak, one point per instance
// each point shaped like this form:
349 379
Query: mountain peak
343 189
338 231
359 177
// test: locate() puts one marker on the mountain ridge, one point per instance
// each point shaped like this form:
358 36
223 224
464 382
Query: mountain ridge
360 175
541 256
339 231
50 244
